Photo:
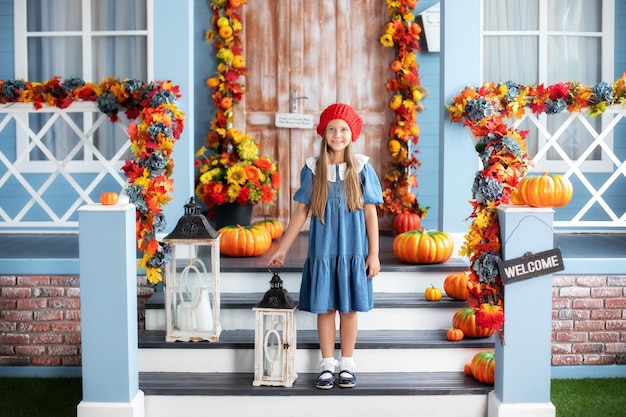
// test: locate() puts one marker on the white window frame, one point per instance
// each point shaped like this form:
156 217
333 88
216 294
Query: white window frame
87 34
607 36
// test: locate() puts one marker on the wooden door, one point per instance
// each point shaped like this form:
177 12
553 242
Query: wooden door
326 51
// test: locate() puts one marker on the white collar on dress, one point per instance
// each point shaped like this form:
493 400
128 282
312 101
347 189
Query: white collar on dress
361 160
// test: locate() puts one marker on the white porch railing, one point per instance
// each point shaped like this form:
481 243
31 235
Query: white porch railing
614 170
35 183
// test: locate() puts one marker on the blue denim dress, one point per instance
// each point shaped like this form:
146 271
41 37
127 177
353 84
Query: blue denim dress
334 276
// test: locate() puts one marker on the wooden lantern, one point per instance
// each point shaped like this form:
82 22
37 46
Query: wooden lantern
275 337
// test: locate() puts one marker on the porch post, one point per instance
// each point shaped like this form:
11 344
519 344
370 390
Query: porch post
459 67
108 307
522 376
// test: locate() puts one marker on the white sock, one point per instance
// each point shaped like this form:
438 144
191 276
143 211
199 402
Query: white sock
328 364
347 364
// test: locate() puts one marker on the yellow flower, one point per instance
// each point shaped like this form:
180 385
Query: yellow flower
395 102
209 35
236 175
417 96
247 150
233 192
386 40
201 151
409 17
237 26
225 54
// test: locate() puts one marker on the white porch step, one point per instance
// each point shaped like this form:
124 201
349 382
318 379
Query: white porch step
435 394
376 351
416 313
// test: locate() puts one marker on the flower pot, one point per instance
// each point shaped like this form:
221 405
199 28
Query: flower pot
231 214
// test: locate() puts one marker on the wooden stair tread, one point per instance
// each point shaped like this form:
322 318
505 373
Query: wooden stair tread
307 339
381 300
368 383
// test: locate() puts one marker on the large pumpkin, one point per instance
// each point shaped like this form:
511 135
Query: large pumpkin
423 246
244 241
455 285
544 191
403 222
273 226
483 366
465 319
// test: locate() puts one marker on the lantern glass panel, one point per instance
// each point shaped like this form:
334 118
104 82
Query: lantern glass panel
273 360
190 287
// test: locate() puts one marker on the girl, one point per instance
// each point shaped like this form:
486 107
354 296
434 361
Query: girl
340 190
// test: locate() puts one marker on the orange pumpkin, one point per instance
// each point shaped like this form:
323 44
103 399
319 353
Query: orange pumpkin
454 334
403 222
109 198
483 367
273 226
467 369
455 285
465 319
244 241
432 293
544 191
423 246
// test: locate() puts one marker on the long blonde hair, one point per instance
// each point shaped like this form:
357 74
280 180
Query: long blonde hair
351 184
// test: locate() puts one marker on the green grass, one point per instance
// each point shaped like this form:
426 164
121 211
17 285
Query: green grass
58 397
39 397
597 397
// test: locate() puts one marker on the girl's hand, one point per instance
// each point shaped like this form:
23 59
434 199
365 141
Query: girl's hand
277 260
372 266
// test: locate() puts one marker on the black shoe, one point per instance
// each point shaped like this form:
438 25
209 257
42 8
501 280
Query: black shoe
346 379
325 383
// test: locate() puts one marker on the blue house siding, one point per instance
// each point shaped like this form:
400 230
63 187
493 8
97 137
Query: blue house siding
204 67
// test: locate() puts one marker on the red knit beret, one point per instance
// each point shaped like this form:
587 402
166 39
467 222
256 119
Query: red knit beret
344 112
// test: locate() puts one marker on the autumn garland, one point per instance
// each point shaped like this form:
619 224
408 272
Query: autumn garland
149 168
230 168
403 34
502 151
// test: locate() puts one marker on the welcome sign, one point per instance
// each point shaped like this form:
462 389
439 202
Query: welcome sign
531 265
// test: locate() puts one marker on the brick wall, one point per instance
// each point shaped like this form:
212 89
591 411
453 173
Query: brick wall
40 319
588 320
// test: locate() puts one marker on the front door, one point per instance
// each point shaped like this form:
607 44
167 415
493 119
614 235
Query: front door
323 52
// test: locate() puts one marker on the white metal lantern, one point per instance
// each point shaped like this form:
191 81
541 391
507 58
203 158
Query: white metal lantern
275 337
192 279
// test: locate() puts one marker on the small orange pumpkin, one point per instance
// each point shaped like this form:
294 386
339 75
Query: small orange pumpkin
423 246
465 319
432 293
544 191
109 198
403 222
454 334
244 241
455 285
273 226
467 369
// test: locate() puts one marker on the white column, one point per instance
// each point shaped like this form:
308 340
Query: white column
108 306
523 362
